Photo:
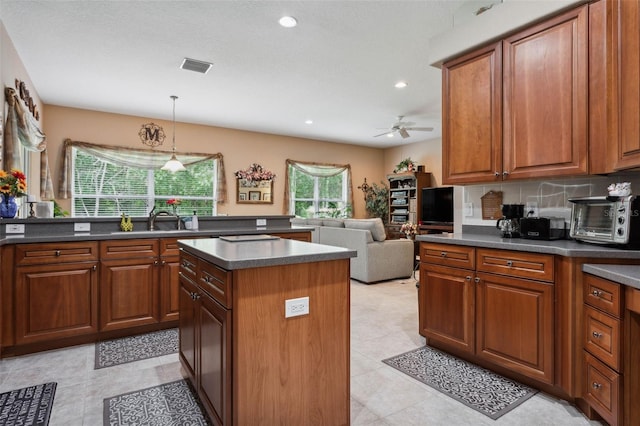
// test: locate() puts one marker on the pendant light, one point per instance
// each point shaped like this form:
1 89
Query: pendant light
173 165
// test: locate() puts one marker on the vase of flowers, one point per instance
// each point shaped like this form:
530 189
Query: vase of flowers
409 230
12 184
174 203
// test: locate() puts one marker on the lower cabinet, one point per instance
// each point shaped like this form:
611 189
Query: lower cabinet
205 348
478 302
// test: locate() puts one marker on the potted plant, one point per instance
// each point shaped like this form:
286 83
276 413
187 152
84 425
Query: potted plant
377 201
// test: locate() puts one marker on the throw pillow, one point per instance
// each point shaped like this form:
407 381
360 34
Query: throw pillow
375 226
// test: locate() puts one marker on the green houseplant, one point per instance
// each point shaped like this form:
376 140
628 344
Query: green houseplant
377 201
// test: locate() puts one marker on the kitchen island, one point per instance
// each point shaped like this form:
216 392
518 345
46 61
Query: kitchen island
264 329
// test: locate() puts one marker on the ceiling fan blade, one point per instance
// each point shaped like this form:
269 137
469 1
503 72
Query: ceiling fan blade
403 133
420 129
385 133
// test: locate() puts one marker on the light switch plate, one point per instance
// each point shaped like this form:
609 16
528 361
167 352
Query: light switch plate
468 209
81 227
15 228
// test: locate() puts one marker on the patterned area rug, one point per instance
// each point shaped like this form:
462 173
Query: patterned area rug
476 387
27 406
169 404
134 348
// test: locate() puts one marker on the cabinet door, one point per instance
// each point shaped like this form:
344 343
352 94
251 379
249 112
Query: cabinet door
169 288
447 306
545 98
628 79
214 365
187 326
515 324
472 117
128 293
56 301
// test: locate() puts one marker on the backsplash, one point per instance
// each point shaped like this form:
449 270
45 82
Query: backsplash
551 195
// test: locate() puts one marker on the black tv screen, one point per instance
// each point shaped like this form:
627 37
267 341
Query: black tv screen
437 205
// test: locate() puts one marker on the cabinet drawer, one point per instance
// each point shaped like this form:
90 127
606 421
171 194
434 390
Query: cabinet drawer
36 254
602 337
188 265
127 249
216 282
448 255
602 389
603 294
516 264
169 247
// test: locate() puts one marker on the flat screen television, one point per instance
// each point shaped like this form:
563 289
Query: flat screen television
437 205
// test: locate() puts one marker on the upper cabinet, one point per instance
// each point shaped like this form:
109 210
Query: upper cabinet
518 109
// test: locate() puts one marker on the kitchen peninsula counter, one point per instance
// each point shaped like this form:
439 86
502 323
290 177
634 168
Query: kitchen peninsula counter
264 329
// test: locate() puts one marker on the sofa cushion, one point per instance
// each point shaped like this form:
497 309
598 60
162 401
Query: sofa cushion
334 223
375 226
298 221
314 222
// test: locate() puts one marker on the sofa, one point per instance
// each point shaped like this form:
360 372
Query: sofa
378 258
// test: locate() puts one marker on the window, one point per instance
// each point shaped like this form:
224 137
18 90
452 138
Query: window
102 188
319 190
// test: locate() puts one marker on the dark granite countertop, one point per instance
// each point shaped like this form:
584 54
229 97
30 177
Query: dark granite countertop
623 274
260 253
568 248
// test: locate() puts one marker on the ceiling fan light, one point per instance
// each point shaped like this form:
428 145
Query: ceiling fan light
288 21
390 134
173 165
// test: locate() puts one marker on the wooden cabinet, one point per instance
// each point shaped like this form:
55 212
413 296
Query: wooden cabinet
405 196
602 343
169 279
56 291
484 303
518 108
205 341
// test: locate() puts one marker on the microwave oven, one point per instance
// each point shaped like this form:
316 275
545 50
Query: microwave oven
606 220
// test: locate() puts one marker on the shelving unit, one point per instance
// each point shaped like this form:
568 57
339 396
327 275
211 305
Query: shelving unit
405 196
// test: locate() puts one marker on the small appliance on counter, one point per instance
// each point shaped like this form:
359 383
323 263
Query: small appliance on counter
509 224
610 220
543 228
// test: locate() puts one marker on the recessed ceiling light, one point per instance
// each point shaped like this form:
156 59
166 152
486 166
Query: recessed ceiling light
401 85
389 135
288 21
308 121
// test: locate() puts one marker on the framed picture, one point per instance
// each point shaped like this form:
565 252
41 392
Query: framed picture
266 196
242 196
254 195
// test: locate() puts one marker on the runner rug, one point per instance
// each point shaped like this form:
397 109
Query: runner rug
29 406
165 405
474 386
134 348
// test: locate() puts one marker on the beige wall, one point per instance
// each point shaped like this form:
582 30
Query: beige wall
239 148
427 153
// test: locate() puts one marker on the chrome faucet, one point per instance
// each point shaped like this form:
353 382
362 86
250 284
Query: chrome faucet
151 222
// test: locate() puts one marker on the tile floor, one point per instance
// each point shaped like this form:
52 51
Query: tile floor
384 324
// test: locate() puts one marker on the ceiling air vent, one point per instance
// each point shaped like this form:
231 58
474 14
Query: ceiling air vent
195 65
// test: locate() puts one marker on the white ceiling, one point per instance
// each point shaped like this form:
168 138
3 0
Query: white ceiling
338 67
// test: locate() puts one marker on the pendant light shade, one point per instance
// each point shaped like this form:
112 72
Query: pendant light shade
173 165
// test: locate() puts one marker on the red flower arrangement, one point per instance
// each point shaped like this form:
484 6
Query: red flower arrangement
174 201
13 183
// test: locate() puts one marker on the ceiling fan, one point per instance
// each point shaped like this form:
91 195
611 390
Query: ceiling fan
402 126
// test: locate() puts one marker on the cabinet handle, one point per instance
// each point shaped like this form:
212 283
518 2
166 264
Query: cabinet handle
443 253
596 385
155 262
505 174
509 263
94 268
596 293
195 296
596 334
164 262
207 279
57 253
497 173
468 278
476 279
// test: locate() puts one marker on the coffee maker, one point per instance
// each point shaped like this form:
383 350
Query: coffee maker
509 224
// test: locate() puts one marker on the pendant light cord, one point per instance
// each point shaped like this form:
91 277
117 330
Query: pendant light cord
174 97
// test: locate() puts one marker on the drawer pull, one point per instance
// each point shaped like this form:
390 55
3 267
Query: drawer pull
509 263
596 293
476 279
57 253
468 278
207 279
443 254
596 385
596 334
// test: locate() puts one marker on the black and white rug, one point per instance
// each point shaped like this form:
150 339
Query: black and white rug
165 405
476 387
134 348
29 406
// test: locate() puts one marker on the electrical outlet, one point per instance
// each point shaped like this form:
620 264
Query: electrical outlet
468 209
296 307
261 222
81 227
15 228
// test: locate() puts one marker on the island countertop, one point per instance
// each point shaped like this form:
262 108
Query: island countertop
250 253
